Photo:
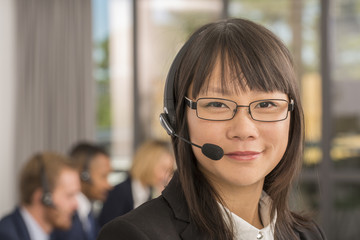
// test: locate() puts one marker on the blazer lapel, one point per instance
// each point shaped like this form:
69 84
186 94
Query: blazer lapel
173 194
191 232
21 226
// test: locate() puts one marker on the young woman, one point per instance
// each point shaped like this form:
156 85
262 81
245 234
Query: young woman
231 93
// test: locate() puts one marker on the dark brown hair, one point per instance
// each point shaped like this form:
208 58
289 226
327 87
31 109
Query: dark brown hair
250 56
82 153
45 164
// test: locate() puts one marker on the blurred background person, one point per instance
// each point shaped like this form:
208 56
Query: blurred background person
151 170
48 189
93 165
55 50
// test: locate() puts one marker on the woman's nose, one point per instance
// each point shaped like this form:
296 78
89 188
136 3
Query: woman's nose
242 126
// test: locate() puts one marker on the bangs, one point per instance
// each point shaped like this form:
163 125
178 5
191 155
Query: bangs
248 58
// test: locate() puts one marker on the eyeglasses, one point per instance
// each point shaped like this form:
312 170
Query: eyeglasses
219 109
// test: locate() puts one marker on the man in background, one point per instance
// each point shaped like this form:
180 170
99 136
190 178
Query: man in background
93 165
48 189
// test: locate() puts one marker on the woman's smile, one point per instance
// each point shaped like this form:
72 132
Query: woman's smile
244 155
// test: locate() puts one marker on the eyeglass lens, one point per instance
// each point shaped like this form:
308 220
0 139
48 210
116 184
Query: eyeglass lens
223 109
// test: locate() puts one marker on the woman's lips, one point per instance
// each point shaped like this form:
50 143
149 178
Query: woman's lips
243 155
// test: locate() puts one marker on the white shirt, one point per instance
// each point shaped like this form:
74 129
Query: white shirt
140 193
245 231
35 230
84 208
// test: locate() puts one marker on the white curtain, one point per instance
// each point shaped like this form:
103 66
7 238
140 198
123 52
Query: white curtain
7 106
55 96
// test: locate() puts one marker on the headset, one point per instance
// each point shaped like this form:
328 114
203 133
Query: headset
87 152
46 197
85 173
168 117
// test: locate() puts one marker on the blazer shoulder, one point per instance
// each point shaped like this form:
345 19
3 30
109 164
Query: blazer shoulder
152 220
118 202
312 232
75 232
121 227
13 227
7 230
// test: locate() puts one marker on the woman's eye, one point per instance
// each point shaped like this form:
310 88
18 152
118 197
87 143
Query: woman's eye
217 105
267 104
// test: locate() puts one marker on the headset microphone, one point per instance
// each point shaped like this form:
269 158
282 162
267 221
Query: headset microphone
212 151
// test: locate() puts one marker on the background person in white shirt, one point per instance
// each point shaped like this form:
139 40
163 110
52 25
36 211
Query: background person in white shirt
48 188
93 165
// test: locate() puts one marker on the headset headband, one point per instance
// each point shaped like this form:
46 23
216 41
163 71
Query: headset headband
169 94
46 198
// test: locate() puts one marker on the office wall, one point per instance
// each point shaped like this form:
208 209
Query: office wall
7 106
47 88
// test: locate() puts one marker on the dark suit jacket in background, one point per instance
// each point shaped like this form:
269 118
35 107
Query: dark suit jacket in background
167 218
76 232
118 202
12 227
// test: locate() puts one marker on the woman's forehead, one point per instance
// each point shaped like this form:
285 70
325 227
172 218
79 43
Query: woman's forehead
232 88
227 77
222 78
217 84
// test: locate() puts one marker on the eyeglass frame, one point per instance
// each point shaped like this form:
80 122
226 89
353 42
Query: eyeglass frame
193 105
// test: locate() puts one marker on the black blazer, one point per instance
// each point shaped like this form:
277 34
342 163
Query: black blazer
76 231
13 227
167 218
118 202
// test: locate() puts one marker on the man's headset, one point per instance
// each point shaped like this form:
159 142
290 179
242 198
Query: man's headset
168 117
46 197
86 152
90 152
85 173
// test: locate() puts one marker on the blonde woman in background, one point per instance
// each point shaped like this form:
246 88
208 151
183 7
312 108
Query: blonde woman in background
151 169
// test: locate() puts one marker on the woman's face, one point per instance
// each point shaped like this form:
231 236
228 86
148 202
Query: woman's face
252 149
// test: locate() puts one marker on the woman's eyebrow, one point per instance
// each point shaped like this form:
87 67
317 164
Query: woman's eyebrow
215 90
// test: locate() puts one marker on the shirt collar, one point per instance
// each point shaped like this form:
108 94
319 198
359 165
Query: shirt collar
244 230
84 206
33 227
140 193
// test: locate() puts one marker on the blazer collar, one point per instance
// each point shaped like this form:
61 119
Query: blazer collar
20 225
174 195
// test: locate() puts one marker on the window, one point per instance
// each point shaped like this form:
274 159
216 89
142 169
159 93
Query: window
324 37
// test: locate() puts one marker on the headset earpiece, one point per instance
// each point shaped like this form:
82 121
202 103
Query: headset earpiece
166 125
169 101
85 173
46 197
168 118
85 176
